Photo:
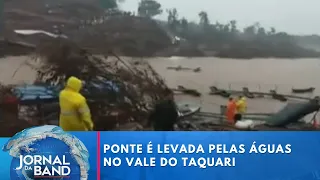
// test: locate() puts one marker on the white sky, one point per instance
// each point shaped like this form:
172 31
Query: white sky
292 16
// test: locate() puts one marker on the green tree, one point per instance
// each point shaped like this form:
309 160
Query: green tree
173 19
110 4
233 24
250 30
184 23
226 28
204 20
149 8
183 27
261 31
219 26
272 31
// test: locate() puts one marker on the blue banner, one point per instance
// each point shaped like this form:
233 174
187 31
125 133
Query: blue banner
195 155
275 155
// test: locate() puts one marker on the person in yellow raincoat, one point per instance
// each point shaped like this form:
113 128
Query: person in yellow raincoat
241 105
74 111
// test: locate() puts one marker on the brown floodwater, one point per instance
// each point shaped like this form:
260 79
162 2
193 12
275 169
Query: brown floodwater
257 74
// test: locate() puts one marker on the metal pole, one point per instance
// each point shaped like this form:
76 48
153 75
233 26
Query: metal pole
222 112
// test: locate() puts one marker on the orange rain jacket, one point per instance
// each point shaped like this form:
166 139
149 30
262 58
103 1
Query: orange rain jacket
231 111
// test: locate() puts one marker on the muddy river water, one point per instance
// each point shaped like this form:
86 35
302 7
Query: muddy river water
257 74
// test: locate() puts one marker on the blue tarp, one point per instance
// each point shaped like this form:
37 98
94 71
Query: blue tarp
39 92
108 85
32 92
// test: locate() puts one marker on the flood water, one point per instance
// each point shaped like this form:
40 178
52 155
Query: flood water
257 74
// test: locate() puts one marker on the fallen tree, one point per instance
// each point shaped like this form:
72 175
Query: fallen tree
126 90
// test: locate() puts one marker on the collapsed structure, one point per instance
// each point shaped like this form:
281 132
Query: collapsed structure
127 89
118 91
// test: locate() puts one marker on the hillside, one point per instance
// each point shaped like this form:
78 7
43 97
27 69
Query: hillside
309 42
86 23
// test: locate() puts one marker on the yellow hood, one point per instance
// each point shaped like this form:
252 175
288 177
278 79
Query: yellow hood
74 84
243 99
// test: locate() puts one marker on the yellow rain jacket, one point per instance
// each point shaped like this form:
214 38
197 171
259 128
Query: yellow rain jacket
242 105
74 111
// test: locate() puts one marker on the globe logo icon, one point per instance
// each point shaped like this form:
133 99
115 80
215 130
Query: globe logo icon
47 152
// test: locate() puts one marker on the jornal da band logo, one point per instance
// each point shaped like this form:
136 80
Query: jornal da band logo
44 166
47 152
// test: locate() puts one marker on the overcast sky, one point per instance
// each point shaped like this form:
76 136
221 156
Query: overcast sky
293 16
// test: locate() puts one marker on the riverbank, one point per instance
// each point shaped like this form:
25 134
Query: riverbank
243 51
25 45
129 35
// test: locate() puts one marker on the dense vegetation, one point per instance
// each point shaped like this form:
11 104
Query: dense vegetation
140 34
226 40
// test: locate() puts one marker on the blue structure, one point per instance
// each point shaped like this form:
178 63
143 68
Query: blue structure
33 94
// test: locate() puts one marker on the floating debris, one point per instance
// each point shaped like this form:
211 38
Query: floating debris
215 91
247 93
187 91
180 68
305 90
272 93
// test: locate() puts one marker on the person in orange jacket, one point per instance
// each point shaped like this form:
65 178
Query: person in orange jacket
231 110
